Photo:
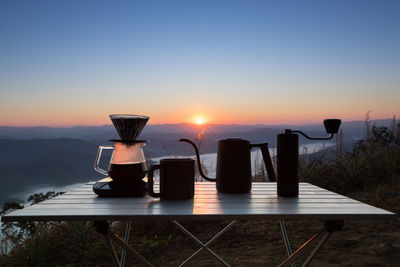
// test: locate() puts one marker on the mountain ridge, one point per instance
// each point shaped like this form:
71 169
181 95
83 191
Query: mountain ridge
107 131
65 160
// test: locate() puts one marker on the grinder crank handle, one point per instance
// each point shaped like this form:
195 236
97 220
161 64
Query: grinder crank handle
267 160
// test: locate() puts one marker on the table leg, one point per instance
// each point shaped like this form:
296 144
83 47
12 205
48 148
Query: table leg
126 240
286 239
329 228
112 250
202 245
130 249
103 228
298 252
317 248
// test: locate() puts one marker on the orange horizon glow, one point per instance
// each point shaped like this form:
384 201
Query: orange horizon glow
199 120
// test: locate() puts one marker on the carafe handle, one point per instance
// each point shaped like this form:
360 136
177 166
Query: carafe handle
97 161
267 160
150 175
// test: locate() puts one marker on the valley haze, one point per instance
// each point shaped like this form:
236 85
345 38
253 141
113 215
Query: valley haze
35 157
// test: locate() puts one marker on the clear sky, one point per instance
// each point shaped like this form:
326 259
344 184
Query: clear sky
74 62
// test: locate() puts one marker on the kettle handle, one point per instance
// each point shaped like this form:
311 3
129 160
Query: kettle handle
267 160
198 159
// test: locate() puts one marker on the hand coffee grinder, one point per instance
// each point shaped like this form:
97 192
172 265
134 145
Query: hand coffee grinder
288 157
127 166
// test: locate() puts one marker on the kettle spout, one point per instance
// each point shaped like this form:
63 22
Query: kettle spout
198 159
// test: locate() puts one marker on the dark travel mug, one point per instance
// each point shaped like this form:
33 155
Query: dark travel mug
176 178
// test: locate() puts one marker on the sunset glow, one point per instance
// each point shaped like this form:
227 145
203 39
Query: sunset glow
199 121
227 62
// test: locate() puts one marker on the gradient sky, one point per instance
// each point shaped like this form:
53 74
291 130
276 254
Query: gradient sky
72 62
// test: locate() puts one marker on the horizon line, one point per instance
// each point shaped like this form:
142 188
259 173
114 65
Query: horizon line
194 124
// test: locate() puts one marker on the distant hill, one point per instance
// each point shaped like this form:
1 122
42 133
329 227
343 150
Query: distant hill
63 156
27 163
106 132
78 132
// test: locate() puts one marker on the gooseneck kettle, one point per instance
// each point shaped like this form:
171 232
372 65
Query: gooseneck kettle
234 164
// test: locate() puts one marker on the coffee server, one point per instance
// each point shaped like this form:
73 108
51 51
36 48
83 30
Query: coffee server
127 166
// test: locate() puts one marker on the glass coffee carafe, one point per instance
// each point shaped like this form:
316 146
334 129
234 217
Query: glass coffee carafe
127 166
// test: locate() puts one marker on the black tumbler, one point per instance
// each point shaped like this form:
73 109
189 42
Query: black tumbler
287 165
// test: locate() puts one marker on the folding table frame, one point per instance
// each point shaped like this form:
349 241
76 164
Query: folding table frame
103 228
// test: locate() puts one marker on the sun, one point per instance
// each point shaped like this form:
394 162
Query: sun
199 121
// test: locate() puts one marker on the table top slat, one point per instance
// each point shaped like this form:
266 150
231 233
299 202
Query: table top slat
82 204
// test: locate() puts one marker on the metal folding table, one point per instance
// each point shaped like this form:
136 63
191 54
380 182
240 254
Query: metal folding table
313 203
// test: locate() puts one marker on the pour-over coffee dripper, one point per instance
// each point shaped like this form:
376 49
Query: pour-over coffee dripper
127 166
128 126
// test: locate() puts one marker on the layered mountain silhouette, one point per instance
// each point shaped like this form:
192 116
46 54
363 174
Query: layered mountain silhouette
40 156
